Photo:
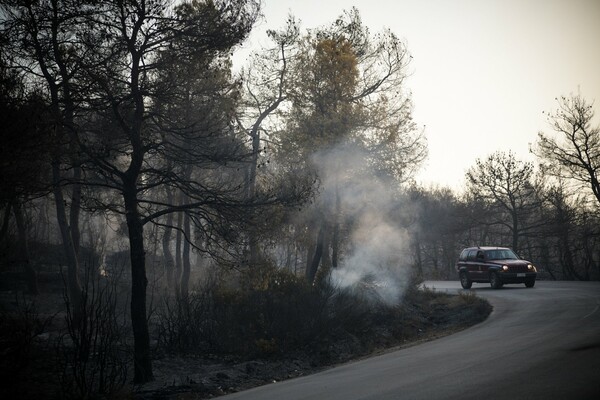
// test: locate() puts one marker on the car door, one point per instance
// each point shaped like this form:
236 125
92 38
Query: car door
483 265
471 265
480 266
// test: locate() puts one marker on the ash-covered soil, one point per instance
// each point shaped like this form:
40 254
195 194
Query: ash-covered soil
32 369
427 316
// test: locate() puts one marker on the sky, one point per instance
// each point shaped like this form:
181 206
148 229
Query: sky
482 72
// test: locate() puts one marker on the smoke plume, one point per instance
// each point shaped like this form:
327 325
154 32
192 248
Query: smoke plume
374 257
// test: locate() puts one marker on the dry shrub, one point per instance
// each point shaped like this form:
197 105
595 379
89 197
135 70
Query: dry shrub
272 313
19 347
93 352
266 315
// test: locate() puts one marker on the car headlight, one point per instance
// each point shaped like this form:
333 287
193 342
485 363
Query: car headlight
505 268
531 268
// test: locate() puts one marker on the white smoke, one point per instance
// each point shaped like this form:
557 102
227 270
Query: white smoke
374 261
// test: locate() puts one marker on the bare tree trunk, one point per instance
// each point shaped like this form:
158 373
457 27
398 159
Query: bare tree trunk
166 245
139 282
75 210
335 239
295 260
567 261
23 250
251 191
288 255
251 179
185 273
515 230
73 282
418 255
335 245
311 271
310 251
178 262
5 219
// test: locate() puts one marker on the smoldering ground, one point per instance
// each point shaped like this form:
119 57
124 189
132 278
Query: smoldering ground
373 248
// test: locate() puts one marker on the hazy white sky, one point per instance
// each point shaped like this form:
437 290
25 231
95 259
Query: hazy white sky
483 70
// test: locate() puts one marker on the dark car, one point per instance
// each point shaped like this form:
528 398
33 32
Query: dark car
496 265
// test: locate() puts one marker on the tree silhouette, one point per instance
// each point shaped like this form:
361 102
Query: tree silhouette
505 183
573 150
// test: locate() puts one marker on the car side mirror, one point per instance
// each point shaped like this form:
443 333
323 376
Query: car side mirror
480 256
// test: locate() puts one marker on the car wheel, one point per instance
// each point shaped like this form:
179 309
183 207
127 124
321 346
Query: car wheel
495 281
530 283
465 282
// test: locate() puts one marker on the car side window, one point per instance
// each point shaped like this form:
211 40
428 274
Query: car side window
480 255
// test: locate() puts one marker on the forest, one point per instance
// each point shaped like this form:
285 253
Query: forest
166 196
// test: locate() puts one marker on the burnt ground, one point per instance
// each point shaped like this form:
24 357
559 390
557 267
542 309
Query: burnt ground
426 316
29 366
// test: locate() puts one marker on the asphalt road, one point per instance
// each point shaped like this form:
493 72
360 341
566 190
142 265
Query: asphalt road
539 343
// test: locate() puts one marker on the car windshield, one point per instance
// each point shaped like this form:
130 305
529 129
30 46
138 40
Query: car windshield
501 254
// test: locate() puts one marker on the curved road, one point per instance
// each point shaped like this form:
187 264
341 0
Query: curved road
539 343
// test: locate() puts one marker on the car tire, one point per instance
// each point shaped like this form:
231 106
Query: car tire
495 281
465 282
530 283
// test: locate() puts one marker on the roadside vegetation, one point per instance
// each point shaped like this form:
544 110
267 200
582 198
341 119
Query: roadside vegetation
218 340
